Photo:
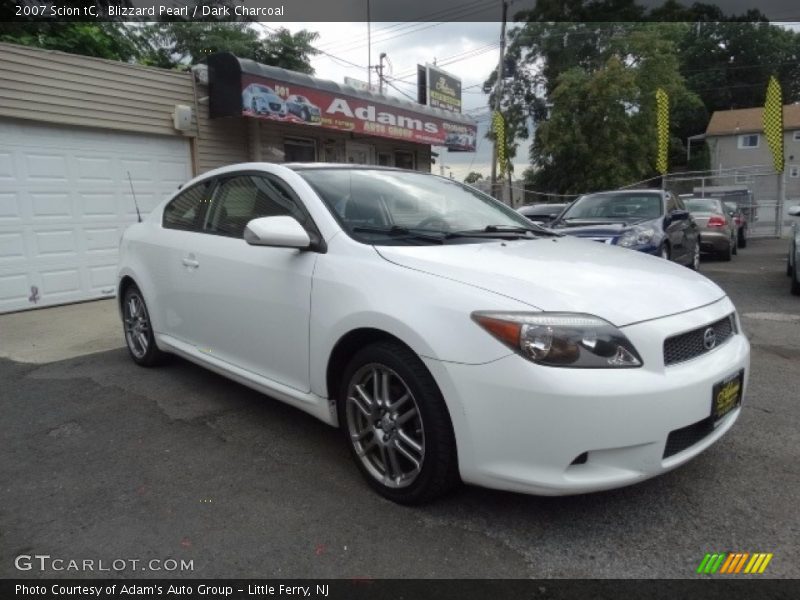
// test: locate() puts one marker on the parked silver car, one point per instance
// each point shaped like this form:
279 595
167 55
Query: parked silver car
717 226
792 269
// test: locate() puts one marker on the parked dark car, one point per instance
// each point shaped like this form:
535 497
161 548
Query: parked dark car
541 213
717 226
792 267
651 221
301 107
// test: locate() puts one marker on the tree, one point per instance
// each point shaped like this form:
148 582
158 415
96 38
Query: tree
179 44
113 41
472 177
707 61
168 44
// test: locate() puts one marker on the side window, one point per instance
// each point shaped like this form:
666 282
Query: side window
186 208
239 200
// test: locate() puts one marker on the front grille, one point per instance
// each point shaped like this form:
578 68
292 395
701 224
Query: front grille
686 437
689 345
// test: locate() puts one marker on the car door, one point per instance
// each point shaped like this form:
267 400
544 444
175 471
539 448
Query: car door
170 263
251 304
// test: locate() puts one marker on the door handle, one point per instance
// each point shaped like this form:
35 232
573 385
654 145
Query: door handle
190 262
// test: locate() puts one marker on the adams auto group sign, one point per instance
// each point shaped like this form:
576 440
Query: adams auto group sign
279 101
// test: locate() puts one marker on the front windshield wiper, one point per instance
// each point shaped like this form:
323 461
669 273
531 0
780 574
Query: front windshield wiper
398 232
503 231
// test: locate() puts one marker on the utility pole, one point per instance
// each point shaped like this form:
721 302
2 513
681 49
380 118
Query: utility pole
498 92
380 72
369 50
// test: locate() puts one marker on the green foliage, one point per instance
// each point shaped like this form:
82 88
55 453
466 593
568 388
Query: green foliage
577 62
179 44
101 40
167 44
472 177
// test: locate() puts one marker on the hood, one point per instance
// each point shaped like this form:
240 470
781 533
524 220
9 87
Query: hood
566 274
590 228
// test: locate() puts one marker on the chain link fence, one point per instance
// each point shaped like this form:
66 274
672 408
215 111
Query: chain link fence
756 189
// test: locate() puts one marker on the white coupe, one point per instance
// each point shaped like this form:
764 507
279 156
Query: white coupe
447 336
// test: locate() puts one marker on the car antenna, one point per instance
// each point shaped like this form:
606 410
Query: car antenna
135 203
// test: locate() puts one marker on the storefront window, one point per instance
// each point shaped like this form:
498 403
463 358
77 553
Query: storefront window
299 150
385 159
404 160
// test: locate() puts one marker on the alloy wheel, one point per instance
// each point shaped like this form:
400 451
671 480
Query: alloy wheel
384 426
137 325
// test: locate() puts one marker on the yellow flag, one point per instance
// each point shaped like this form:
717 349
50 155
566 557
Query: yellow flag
662 130
499 128
773 122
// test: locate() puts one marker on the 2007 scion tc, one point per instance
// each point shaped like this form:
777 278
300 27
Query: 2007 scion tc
450 338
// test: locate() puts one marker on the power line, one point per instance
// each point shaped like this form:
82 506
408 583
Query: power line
449 12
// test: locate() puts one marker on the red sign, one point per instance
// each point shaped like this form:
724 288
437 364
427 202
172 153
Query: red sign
274 100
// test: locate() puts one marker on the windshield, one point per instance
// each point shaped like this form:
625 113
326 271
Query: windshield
622 206
703 205
373 205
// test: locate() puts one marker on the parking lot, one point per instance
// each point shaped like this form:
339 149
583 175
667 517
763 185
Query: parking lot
104 460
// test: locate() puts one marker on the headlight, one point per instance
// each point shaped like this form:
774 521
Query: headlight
561 339
638 236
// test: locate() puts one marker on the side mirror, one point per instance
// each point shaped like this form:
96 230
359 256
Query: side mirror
794 211
679 215
278 232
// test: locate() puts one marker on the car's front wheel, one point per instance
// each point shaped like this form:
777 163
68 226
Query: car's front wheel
139 337
396 424
695 264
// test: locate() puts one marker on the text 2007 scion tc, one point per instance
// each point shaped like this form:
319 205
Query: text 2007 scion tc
450 338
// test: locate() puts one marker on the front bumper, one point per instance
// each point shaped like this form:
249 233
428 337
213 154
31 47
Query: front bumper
520 426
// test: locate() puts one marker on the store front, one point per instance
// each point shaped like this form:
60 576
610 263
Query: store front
292 117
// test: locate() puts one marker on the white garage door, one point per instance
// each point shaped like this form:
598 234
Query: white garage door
65 200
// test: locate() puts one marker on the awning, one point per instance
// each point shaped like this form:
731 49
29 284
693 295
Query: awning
242 87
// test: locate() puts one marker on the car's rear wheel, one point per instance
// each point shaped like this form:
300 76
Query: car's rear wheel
725 255
139 337
396 424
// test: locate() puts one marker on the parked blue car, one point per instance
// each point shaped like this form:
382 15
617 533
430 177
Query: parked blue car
651 221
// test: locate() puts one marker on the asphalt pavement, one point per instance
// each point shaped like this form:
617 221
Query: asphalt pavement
103 460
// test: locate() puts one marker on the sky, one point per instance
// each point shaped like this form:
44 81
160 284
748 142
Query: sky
473 49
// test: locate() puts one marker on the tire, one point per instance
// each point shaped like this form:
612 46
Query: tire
726 254
254 106
305 115
422 469
139 338
795 286
742 238
695 264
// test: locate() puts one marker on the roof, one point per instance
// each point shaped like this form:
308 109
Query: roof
749 120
